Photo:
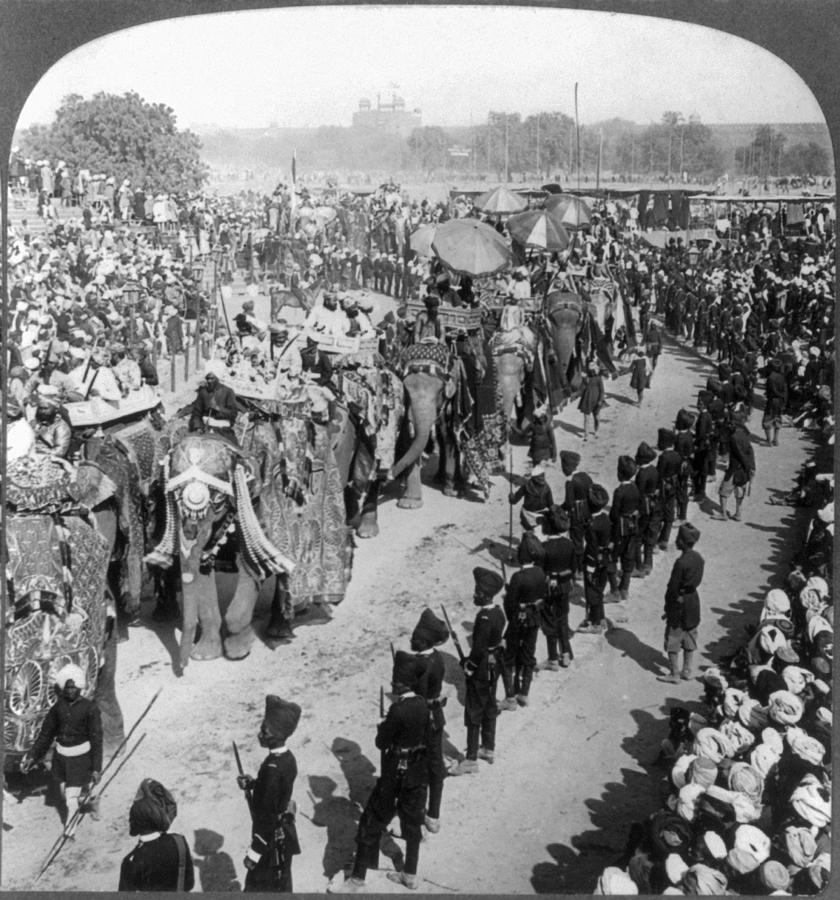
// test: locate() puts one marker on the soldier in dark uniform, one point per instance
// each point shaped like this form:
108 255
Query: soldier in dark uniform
525 596
273 834
670 467
376 268
431 632
161 861
75 724
650 512
576 504
682 605
703 460
559 569
482 668
776 393
741 469
598 565
401 788
684 445
536 496
624 515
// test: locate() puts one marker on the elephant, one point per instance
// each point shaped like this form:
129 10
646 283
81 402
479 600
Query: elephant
437 397
211 486
513 353
60 527
365 424
129 453
564 317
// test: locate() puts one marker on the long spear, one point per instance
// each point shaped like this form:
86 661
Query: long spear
80 813
77 815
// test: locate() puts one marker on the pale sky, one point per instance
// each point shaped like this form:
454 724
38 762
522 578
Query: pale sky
308 67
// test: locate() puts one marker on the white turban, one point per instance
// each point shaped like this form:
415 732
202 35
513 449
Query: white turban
746 779
752 714
712 744
796 678
801 845
732 699
810 801
679 773
785 708
215 367
714 844
777 603
615 881
805 746
763 758
754 841
70 672
740 738
687 800
819 584
817 624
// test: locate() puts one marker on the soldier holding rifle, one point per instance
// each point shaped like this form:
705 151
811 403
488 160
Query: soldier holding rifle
430 632
273 834
401 788
482 667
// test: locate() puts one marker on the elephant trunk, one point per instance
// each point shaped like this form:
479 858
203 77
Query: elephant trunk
423 420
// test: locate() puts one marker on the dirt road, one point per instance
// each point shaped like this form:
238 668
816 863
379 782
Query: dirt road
573 770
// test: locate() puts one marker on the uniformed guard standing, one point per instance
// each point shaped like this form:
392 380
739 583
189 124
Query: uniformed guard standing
525 596
75 724
684 445
559 568
273 834
682 605
483 667
624 515
598 563
401 788
429 633
576 504
669 465
650 512
703 463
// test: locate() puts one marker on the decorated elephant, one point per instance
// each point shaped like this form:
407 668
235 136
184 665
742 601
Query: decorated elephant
210 488
60 527
365 426
129 452
438 397
513 352
564 315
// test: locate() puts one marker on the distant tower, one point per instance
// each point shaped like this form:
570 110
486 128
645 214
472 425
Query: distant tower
388 117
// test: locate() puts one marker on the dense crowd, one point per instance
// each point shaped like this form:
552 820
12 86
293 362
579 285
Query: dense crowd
748 806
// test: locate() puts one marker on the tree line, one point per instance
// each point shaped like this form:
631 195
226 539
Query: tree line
127 137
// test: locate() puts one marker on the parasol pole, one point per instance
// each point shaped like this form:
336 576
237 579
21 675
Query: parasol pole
577 133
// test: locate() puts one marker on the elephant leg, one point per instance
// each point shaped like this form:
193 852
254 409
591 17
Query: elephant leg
446 462
200 607
113 727
282 612
412 497
167 583
239 632
368 526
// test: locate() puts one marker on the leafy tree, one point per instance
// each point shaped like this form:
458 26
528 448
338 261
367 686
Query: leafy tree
123 136
806 159
428 145
763 155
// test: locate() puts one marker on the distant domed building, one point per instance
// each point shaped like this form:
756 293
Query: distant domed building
392 118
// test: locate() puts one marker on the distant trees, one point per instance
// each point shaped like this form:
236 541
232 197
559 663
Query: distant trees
428 146
762 157
124 136
806 159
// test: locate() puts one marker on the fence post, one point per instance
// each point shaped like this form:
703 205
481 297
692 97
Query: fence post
172 372
186 363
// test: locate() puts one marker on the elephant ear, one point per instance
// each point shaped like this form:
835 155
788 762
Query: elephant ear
92 486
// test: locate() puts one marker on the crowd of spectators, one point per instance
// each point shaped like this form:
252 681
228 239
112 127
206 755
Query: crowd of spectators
747 789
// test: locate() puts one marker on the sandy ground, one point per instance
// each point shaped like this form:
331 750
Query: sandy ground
573 770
